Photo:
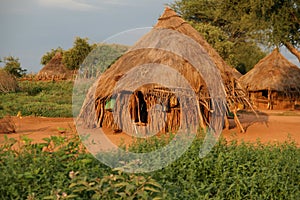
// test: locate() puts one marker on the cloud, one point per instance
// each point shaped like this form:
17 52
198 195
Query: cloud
68 4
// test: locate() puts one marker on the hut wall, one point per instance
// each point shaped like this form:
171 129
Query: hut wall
279 101
160 119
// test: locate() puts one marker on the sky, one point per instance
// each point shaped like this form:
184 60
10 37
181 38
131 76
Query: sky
30 28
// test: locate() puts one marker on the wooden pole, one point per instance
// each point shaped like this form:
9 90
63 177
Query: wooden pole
226 122
237 121
269 107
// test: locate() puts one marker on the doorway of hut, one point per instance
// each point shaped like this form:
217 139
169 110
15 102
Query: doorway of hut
138 108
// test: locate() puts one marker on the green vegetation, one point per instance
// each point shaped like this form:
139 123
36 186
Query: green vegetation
237 28
230 171
73 57
36 171
49 55
101 58
47 99
13 66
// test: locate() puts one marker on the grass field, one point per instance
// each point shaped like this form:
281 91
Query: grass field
47 99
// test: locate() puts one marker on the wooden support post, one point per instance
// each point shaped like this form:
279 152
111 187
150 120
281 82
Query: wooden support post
270 106
202 122
101 116
226 122
237 121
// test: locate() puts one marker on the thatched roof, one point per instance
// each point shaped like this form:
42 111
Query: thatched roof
55 69
171 20
273 72
8 82
175 43
138 55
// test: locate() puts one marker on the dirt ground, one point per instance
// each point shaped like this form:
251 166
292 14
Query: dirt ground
271 126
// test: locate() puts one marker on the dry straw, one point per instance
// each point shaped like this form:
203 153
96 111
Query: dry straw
55 70
273 83
160 38
8 82
273 72
7 125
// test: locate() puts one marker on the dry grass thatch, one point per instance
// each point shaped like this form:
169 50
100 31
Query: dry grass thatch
7 125
274 72
273 83
55 70
8 82
174 43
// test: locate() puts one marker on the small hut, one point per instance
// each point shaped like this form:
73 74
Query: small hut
273 83
8 82
55 70
170 34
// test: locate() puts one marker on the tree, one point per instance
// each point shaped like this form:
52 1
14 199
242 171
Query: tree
278 23
73 57
221 31
270 22
13 66
49 55
236 53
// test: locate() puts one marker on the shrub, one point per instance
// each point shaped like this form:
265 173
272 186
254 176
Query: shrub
61 168
47 99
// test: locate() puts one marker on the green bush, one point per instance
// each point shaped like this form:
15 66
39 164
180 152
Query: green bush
47 99
60 168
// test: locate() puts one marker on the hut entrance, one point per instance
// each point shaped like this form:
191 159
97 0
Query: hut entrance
138 108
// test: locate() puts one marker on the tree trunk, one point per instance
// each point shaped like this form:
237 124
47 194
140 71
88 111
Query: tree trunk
292 49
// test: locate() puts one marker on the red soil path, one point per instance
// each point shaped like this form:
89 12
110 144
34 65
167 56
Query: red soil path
268 127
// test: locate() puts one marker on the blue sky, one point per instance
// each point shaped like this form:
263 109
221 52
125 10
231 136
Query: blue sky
30 28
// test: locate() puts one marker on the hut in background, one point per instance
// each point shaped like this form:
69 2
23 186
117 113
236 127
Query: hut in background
149 95
55 70
8 82
273 83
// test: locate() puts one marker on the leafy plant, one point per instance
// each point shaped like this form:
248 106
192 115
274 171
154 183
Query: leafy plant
47 99
61 168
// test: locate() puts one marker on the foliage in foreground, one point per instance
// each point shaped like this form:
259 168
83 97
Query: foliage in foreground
59 169
47 99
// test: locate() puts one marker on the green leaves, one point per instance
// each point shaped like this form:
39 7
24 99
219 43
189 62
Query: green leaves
49 55
13 66
73 57
60 168
45 99
238 28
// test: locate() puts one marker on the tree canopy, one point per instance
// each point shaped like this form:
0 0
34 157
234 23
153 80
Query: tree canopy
13 66
73 57
244 25
49 55
101 58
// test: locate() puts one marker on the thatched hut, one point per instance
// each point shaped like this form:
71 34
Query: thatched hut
172 42
273 83
8 82
55 70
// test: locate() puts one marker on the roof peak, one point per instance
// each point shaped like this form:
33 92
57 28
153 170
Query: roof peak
168 13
